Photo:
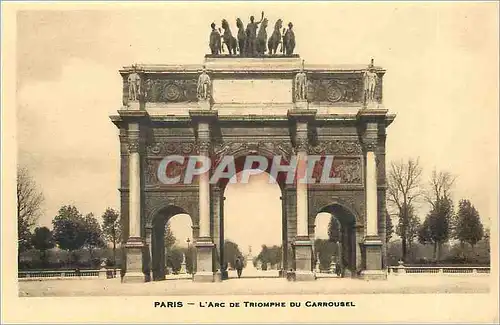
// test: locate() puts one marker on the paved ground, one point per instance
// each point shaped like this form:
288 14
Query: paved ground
261 286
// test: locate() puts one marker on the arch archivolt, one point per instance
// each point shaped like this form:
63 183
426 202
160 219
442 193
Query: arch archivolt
172 202
352 201
268 149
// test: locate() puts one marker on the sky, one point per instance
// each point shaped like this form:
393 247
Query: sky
441 82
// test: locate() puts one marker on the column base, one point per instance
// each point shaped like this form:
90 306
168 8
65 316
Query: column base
135 255
303 259
204 260
372 256
305 276
134 277
204 277
373 275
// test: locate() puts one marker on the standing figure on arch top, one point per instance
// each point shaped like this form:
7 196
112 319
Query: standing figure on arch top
301 84
134 84
252 26
289 40
203 89
215 43
370 83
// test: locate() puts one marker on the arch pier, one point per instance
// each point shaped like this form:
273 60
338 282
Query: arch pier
242 107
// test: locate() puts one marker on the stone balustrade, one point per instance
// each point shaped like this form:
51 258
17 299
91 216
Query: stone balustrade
408 269
68 274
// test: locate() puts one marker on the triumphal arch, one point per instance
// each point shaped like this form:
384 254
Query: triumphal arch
240 105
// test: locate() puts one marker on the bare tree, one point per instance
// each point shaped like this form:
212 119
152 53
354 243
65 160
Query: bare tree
440 186
29 208
404 186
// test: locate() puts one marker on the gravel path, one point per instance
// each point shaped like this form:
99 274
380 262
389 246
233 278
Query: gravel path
263 286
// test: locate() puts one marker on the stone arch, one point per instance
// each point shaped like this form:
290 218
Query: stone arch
239 154
319 200
158 202
347 219
155 234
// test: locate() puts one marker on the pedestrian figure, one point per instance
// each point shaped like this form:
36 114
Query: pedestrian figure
239 266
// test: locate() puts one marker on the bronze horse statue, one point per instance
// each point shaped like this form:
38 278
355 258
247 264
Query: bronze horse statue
228 38
275 39
242 37
262 38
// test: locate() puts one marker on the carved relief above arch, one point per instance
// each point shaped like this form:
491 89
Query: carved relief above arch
162 148
155 202
352 201
239 148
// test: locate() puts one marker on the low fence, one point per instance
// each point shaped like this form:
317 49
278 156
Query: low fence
408 269
68 274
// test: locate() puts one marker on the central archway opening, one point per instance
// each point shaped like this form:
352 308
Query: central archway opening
172 256
335 241
252 224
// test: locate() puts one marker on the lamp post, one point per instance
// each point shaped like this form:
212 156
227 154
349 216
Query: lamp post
190 255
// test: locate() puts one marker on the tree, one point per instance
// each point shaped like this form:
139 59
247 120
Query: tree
29 208
93 235
410 228
436 227
69 229
441 184
468 225
440 218
169 237
389 228
326 250
112 229
270 255
264 256
403 188
174 258
42 241
231 252
334 230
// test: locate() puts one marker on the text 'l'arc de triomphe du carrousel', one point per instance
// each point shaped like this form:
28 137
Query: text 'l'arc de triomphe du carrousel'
253 96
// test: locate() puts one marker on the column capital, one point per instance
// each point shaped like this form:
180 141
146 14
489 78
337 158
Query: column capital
370 143
133 144
204 146
302 144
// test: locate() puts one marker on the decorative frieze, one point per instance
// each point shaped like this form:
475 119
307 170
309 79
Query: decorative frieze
171 90
337 147
233 148
172 148
334 90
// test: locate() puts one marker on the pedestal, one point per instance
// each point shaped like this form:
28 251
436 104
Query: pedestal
204 105
183 268
372 251
301 105
204 260
103 274
135 249
303 255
